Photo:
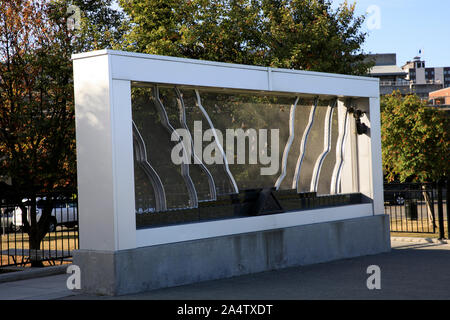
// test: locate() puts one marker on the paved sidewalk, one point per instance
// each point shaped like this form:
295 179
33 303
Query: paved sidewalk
414 269
43 288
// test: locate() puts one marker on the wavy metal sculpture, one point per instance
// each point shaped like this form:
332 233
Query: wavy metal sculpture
288 144
182 108
219 146
340 152
155 181
303 145
326 147
185 164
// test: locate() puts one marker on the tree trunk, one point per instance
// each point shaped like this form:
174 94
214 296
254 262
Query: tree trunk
430 207
35 249
35 237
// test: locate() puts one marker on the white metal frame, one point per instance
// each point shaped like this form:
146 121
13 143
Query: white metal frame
102 82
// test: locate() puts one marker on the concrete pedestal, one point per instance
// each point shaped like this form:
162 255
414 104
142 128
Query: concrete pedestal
154 267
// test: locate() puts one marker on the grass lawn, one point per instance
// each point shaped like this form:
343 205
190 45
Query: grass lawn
415 228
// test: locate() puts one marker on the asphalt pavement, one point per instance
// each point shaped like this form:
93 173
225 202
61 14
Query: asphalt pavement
415 269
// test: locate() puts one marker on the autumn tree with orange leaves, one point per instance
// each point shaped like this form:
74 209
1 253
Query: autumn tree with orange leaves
37 127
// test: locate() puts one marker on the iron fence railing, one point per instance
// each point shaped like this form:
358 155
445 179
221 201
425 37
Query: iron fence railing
38 230
418 207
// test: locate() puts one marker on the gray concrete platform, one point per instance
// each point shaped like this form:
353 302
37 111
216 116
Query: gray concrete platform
414 269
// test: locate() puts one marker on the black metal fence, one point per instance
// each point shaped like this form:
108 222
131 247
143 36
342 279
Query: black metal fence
418 207
38 230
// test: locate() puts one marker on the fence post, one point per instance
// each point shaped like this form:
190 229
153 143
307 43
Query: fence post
440 210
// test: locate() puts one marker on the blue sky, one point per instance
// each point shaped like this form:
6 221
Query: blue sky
405 26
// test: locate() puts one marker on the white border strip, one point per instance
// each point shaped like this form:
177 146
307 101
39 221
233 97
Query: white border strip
210 229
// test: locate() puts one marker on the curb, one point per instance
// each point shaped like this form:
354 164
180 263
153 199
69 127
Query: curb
31 273
419 240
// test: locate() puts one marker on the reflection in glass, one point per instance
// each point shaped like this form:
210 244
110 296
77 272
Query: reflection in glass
198 124
173 102
149 190
149 121
218 154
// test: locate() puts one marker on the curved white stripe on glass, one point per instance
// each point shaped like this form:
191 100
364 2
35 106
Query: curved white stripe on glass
288 144
212 185
185 164
225 161
326 147
303 145
340 150
155 180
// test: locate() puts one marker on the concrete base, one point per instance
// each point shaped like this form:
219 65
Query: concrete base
149 268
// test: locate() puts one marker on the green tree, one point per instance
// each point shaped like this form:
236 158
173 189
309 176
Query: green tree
102 26
415 139
415 142
37 127
297 34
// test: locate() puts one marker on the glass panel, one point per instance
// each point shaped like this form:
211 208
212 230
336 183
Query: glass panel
313 147
148 119
255 130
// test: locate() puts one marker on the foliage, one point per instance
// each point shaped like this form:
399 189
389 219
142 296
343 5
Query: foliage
415 139
101 25
298 34
37 127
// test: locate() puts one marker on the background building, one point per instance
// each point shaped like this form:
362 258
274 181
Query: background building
391 76
440 98
412 77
